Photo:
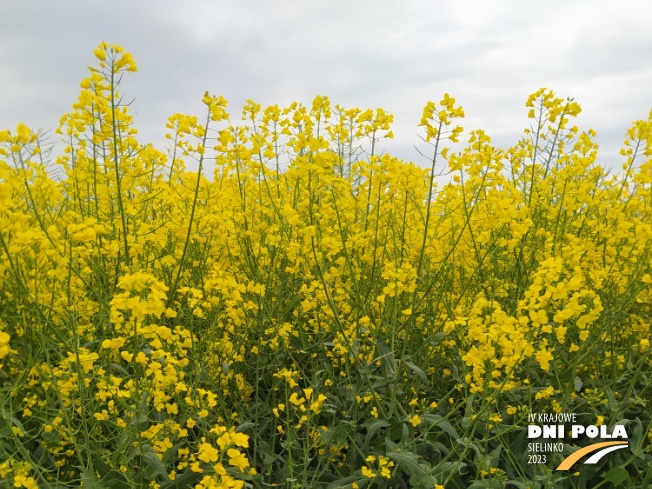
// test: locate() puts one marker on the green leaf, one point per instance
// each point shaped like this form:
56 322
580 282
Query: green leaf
469 407
391 445
444 469
372 427
440 422
386 357
89 479
405 434
648 477
408 462
480 485
151 460
244 426
424 481
518 484
437 337
412 366
466 443
120 369
637 439
7 415
347 482
495 456
578 383
611 398
139 419
617 475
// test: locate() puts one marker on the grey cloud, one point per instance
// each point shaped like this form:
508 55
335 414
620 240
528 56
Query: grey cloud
368 53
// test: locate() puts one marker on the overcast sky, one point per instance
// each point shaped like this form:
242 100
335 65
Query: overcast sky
398 55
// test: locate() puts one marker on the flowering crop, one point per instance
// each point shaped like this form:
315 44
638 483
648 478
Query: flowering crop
318 313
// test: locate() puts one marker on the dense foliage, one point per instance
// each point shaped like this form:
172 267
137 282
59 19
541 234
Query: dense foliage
318 314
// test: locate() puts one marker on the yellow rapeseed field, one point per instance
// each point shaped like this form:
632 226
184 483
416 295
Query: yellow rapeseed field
317 313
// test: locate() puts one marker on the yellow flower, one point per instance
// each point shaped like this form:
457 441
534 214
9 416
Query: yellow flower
104 415
4 345
237 459
240 439
208 453
544 357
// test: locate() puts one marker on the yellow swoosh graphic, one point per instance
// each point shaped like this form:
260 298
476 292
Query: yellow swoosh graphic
569 461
